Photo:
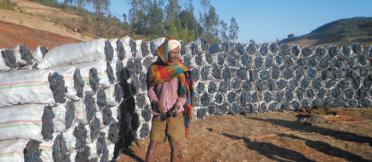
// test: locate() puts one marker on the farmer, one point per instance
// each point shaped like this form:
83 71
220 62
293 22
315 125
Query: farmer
170 90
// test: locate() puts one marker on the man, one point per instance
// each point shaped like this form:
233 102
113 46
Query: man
170 90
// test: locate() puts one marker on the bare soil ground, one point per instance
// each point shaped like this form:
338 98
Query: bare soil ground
36 25
276 136
12 34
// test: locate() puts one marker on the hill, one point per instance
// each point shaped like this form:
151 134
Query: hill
349 30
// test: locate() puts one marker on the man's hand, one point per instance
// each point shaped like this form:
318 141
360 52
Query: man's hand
177 107
161 108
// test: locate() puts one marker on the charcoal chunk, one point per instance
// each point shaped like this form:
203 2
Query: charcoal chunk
264 75
212 87
109 51
268 97
110 73
231 97
284 50
312 62
205 99
199 60
113 134
306 51
47 128
26 55
281 84
200 88
70 114
242 74
332 51
311 73
120 50
144 131
146 113
274 48
226 73
269 62
118 93
252 48
107 116
245 59
218 98
9 58
345 52
93 79
57 85
200 113
288 73
224 86
205 73
258 62
94 126
295 105
60 152
78 83
83 155
296 50
316 84
133 49
275 73
214 48
262 85
101 145
144 49
236 84
246 85
264 50
221 59
90 105
321 93
278 60
32 152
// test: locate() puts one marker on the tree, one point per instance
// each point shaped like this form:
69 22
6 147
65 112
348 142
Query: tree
172 9
189 25
209 21
223 31
291 36
137 16
233 30
154 20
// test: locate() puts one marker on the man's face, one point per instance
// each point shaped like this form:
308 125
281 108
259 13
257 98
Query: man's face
173 54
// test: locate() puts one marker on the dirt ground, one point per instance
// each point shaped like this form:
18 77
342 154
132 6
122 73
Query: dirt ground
35 26
276 136
11 35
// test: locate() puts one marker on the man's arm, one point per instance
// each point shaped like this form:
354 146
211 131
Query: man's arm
154 99
152 96
180 102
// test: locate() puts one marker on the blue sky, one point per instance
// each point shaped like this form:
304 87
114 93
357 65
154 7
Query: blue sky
268 20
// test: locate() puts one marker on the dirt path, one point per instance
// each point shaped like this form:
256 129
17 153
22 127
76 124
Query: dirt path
270 137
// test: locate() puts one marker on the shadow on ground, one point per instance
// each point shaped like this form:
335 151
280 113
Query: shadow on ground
270 150
346 136
327 148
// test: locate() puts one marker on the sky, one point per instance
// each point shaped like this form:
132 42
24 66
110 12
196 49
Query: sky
269 20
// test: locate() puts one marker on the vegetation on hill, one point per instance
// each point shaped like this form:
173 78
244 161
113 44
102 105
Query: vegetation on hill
147 19
350 30
8 5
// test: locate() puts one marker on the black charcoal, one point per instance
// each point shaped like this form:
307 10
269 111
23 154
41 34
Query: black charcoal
47 128
57 85
109 51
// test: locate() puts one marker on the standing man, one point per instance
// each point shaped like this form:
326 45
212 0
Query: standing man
169 84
